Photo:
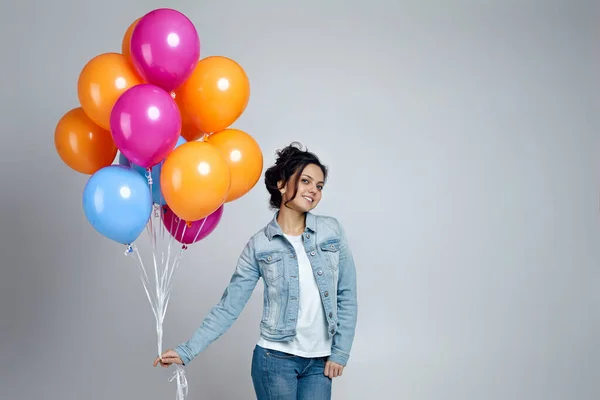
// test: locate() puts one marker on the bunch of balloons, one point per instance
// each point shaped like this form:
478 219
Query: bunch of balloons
169 114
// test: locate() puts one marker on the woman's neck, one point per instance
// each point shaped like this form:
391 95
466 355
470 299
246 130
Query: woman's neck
291 222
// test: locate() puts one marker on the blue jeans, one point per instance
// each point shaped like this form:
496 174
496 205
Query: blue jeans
282 376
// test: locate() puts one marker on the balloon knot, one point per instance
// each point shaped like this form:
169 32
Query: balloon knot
128 249
184 247
149 176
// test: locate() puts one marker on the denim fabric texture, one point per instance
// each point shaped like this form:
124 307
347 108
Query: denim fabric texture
282 376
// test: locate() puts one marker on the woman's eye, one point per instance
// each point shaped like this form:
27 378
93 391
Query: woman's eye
305 181
320 187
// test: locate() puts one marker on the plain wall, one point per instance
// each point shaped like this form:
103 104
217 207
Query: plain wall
463 139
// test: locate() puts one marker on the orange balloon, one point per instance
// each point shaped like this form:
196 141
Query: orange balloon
195 180
245 159
189 131
101 82
127 40
216 93
83 145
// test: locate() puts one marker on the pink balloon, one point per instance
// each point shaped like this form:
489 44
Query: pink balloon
165 48
145 124
194 231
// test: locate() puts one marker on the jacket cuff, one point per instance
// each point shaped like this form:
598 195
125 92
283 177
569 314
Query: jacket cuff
184 354
339 357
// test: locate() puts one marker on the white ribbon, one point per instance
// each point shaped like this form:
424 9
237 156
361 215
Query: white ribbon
182 384
166 257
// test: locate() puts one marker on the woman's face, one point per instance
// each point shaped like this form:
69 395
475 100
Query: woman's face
310 187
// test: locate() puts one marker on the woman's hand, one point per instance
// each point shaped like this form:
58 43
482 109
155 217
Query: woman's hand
167 358
333 370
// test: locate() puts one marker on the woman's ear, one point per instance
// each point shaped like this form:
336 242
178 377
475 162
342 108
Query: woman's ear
281 186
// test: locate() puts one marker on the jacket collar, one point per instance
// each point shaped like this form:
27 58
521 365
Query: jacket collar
273 229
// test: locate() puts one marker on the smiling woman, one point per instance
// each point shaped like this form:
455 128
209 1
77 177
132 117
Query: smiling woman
296 172
310 307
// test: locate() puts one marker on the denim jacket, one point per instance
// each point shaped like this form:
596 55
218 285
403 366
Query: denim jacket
270 256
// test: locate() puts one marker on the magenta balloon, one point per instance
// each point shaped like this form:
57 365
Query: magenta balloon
194 231
165 48
145 124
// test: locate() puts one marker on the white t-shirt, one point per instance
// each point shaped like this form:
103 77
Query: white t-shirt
312 338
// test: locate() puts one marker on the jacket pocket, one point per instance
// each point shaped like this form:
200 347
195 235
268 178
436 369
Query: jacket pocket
271 265
331 250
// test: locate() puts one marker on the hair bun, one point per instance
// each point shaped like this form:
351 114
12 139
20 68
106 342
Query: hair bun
288 152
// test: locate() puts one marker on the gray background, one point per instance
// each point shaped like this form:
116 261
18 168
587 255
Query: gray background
464 144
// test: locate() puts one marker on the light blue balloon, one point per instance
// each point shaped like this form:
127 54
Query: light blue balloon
117 203
157 196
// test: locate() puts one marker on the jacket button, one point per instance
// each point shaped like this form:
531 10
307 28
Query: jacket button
312 253
330 315
332 247
308 235
332 331
326 294
269 258
319 272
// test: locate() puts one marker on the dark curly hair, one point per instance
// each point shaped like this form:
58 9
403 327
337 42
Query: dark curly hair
291 160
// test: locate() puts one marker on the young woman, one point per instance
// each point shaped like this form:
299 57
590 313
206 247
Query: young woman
310 303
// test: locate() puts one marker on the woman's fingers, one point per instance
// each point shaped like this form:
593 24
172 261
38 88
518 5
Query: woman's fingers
333 370
167 358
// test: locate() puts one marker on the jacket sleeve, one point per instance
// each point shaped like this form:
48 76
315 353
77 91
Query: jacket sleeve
227 310
347 304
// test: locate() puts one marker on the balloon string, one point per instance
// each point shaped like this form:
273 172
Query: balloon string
145 281
182 383
179 374
149 177
184 246
200 230
159 298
